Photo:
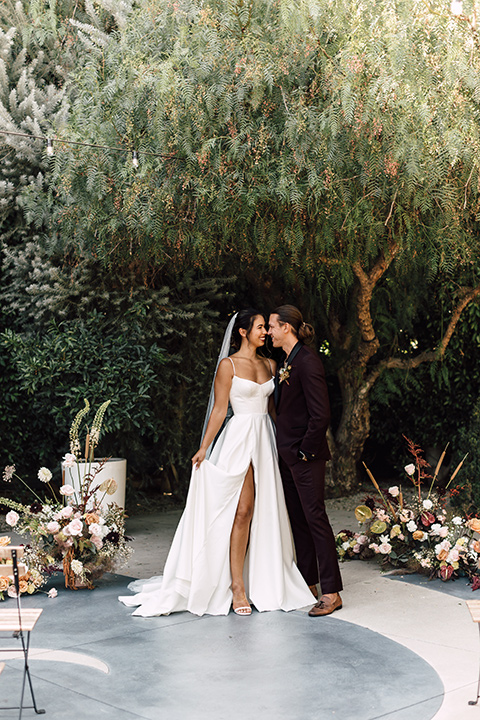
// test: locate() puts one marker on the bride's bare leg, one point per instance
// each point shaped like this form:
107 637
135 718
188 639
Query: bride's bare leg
239 539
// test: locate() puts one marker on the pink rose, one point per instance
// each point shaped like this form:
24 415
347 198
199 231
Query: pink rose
53 527
97 541
52 593
75 527
357 548
69 460
443 532
453 555
12 518
67 490
66 512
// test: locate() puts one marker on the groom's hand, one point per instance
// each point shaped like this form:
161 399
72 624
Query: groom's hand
305 456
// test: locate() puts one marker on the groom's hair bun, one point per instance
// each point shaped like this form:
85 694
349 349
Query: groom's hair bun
245 320
292 315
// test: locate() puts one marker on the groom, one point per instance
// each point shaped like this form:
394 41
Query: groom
303 415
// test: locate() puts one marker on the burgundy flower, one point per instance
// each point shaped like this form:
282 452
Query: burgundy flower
427 518
475 580
370 503
113 537
445 572
36 507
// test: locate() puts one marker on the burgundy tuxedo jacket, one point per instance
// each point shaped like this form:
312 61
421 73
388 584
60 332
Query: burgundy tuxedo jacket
303 408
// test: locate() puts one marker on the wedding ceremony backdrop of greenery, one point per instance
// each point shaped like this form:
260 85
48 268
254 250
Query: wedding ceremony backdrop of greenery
324 154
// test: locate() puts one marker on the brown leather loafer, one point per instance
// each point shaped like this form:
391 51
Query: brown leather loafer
325 606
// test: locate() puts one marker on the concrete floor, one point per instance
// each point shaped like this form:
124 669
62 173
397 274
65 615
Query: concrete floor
396 651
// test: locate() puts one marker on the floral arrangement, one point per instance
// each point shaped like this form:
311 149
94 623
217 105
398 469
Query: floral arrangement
419 534
29 580
74 533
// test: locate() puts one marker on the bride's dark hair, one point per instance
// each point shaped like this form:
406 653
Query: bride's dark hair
244 320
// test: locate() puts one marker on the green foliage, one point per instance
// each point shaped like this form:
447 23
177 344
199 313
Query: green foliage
303 145
75 359
468 441
293 145
434 403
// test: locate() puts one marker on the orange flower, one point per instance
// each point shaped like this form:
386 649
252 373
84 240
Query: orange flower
5 540
474 524
91 518
23 585
476 546
442 555
418 535
4 583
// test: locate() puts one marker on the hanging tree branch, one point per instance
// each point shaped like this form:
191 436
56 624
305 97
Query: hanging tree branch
467 295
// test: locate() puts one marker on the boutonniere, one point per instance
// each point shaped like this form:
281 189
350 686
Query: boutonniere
284 373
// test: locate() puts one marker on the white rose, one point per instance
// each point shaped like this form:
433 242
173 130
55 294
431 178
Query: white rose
411 526
44 475
12 518
409 469
52 593
53 527
427 504
443 532
345 545
66 512
77 567
457 520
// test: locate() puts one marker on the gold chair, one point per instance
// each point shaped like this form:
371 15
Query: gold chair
19 622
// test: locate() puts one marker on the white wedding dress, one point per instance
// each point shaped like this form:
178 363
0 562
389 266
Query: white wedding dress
197 572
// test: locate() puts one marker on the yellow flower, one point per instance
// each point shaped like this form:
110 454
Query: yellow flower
5 540
396 530
31 588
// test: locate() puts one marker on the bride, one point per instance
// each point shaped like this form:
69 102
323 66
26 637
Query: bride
233 541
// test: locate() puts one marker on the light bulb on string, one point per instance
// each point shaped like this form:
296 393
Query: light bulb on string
50 149
135 162
456 8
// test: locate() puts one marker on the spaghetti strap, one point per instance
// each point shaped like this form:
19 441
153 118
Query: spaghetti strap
233 364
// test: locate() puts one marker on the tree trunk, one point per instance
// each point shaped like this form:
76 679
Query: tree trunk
347 446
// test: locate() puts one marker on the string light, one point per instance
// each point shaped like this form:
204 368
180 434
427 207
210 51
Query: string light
456 8
50 150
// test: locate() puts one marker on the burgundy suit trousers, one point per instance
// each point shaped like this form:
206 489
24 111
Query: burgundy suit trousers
304 485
